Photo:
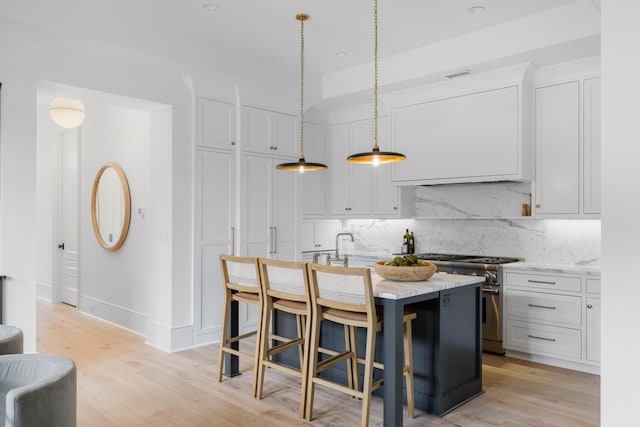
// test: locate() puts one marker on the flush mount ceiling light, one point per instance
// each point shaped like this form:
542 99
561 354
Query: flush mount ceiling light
476 9
301 165
66 112
210 6
375 156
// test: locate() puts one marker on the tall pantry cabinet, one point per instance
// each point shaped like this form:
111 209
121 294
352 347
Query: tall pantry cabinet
243 205
215 211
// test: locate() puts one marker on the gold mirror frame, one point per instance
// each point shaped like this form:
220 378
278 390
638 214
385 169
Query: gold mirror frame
127 207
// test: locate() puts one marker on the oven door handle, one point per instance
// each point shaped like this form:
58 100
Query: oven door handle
490 291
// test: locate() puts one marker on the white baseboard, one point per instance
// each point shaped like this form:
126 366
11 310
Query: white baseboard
44 291
119 316
576 366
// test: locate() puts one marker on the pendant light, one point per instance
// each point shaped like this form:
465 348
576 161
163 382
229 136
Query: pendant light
301 165
375 156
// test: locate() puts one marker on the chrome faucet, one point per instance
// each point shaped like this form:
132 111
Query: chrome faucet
344 259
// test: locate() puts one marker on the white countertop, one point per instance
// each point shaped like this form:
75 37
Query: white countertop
588 269
391 289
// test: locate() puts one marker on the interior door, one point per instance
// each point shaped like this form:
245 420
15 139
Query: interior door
68 226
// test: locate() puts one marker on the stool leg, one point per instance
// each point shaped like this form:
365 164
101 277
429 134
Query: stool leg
368 376
304 368
353 337
408 362
301 329
223 337
262 346
313 364
347 348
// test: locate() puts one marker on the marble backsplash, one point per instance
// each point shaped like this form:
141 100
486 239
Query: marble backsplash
547 241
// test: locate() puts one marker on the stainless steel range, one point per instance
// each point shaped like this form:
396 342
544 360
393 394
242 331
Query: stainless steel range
489 267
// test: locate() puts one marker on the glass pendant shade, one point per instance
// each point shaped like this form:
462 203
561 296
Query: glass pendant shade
375 156
67 113
301 165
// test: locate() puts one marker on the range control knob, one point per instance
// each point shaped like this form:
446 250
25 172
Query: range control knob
491 278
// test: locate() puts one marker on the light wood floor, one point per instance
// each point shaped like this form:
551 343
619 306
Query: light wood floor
124 382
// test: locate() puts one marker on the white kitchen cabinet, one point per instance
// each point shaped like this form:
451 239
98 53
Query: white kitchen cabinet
269 209
215 233
472 137
270 132
594 313
363 191
567 149
314 183
318 235
552 317
216 124
349 185
592 145
557 142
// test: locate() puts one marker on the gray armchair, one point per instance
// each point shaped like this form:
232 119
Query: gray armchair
37 390
11 340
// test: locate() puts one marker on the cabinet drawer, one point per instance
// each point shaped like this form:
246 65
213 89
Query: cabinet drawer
593 286
544 281
565 309
543 339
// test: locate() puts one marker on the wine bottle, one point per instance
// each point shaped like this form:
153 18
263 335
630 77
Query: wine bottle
405 242
412 244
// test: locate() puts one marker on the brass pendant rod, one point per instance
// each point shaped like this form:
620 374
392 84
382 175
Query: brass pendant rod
375 75
302 17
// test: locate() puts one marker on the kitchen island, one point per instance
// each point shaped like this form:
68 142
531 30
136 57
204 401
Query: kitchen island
447 342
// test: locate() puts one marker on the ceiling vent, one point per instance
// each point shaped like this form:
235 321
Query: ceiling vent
458 74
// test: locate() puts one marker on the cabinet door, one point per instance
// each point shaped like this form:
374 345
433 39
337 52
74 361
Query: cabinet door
285 135
360 176
216 124
386 197
592 101
284 213
257 131
256 206
313 183
338 151
215 214
326 231
557 149
593 329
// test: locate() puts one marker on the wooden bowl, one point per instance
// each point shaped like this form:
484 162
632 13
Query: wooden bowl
413 273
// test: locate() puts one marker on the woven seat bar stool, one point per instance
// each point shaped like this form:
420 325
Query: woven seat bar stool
285 287
345 296
241 281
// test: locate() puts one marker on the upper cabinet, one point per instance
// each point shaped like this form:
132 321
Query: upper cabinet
567 149
557 142
216 124
362 191
270 132
314 183
592 101
471 130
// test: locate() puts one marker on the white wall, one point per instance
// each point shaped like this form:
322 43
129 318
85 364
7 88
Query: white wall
31 57
114 285
621 204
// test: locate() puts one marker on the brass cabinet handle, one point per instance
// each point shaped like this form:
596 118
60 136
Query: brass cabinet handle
232 143
589 306
542 338
395 208
537 205
542 306
541 281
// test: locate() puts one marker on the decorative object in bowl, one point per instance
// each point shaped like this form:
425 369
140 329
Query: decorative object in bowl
405 273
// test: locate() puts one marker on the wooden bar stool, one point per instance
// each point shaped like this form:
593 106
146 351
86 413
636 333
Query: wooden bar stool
345 296
285 287
241 281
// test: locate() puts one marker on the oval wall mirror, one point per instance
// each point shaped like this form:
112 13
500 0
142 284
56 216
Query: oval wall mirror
111 206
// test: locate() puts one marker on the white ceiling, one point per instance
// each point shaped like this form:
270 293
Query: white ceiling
185 30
